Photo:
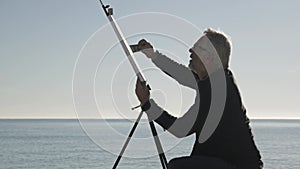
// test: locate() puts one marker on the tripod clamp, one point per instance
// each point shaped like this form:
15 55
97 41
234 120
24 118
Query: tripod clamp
107 10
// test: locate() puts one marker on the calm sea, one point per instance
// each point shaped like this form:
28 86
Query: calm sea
95 143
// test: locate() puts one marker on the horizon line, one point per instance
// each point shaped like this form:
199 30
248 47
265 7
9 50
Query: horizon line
62 118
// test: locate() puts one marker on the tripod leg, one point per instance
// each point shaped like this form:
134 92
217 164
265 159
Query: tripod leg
160 150
127 140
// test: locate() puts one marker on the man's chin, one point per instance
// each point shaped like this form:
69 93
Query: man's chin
191 67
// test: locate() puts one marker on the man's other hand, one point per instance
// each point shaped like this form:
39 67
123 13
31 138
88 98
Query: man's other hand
142 92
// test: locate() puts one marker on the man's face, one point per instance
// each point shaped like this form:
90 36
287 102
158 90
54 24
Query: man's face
200 55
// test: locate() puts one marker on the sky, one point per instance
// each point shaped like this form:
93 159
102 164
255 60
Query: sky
43 43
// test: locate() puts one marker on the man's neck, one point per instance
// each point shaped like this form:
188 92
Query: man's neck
202 75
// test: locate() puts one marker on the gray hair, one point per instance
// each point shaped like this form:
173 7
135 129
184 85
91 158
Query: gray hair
221 43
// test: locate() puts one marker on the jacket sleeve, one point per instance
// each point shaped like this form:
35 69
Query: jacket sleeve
181 126
182 74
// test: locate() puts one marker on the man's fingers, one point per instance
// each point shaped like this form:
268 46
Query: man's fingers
140 83
137 84
143 44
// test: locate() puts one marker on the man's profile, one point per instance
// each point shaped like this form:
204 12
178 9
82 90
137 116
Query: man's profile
231 145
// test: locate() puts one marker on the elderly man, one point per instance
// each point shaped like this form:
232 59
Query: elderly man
230 144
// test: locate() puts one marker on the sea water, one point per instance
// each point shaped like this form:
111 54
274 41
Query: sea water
96 143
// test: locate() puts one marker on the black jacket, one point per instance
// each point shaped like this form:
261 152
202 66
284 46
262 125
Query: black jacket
232 140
